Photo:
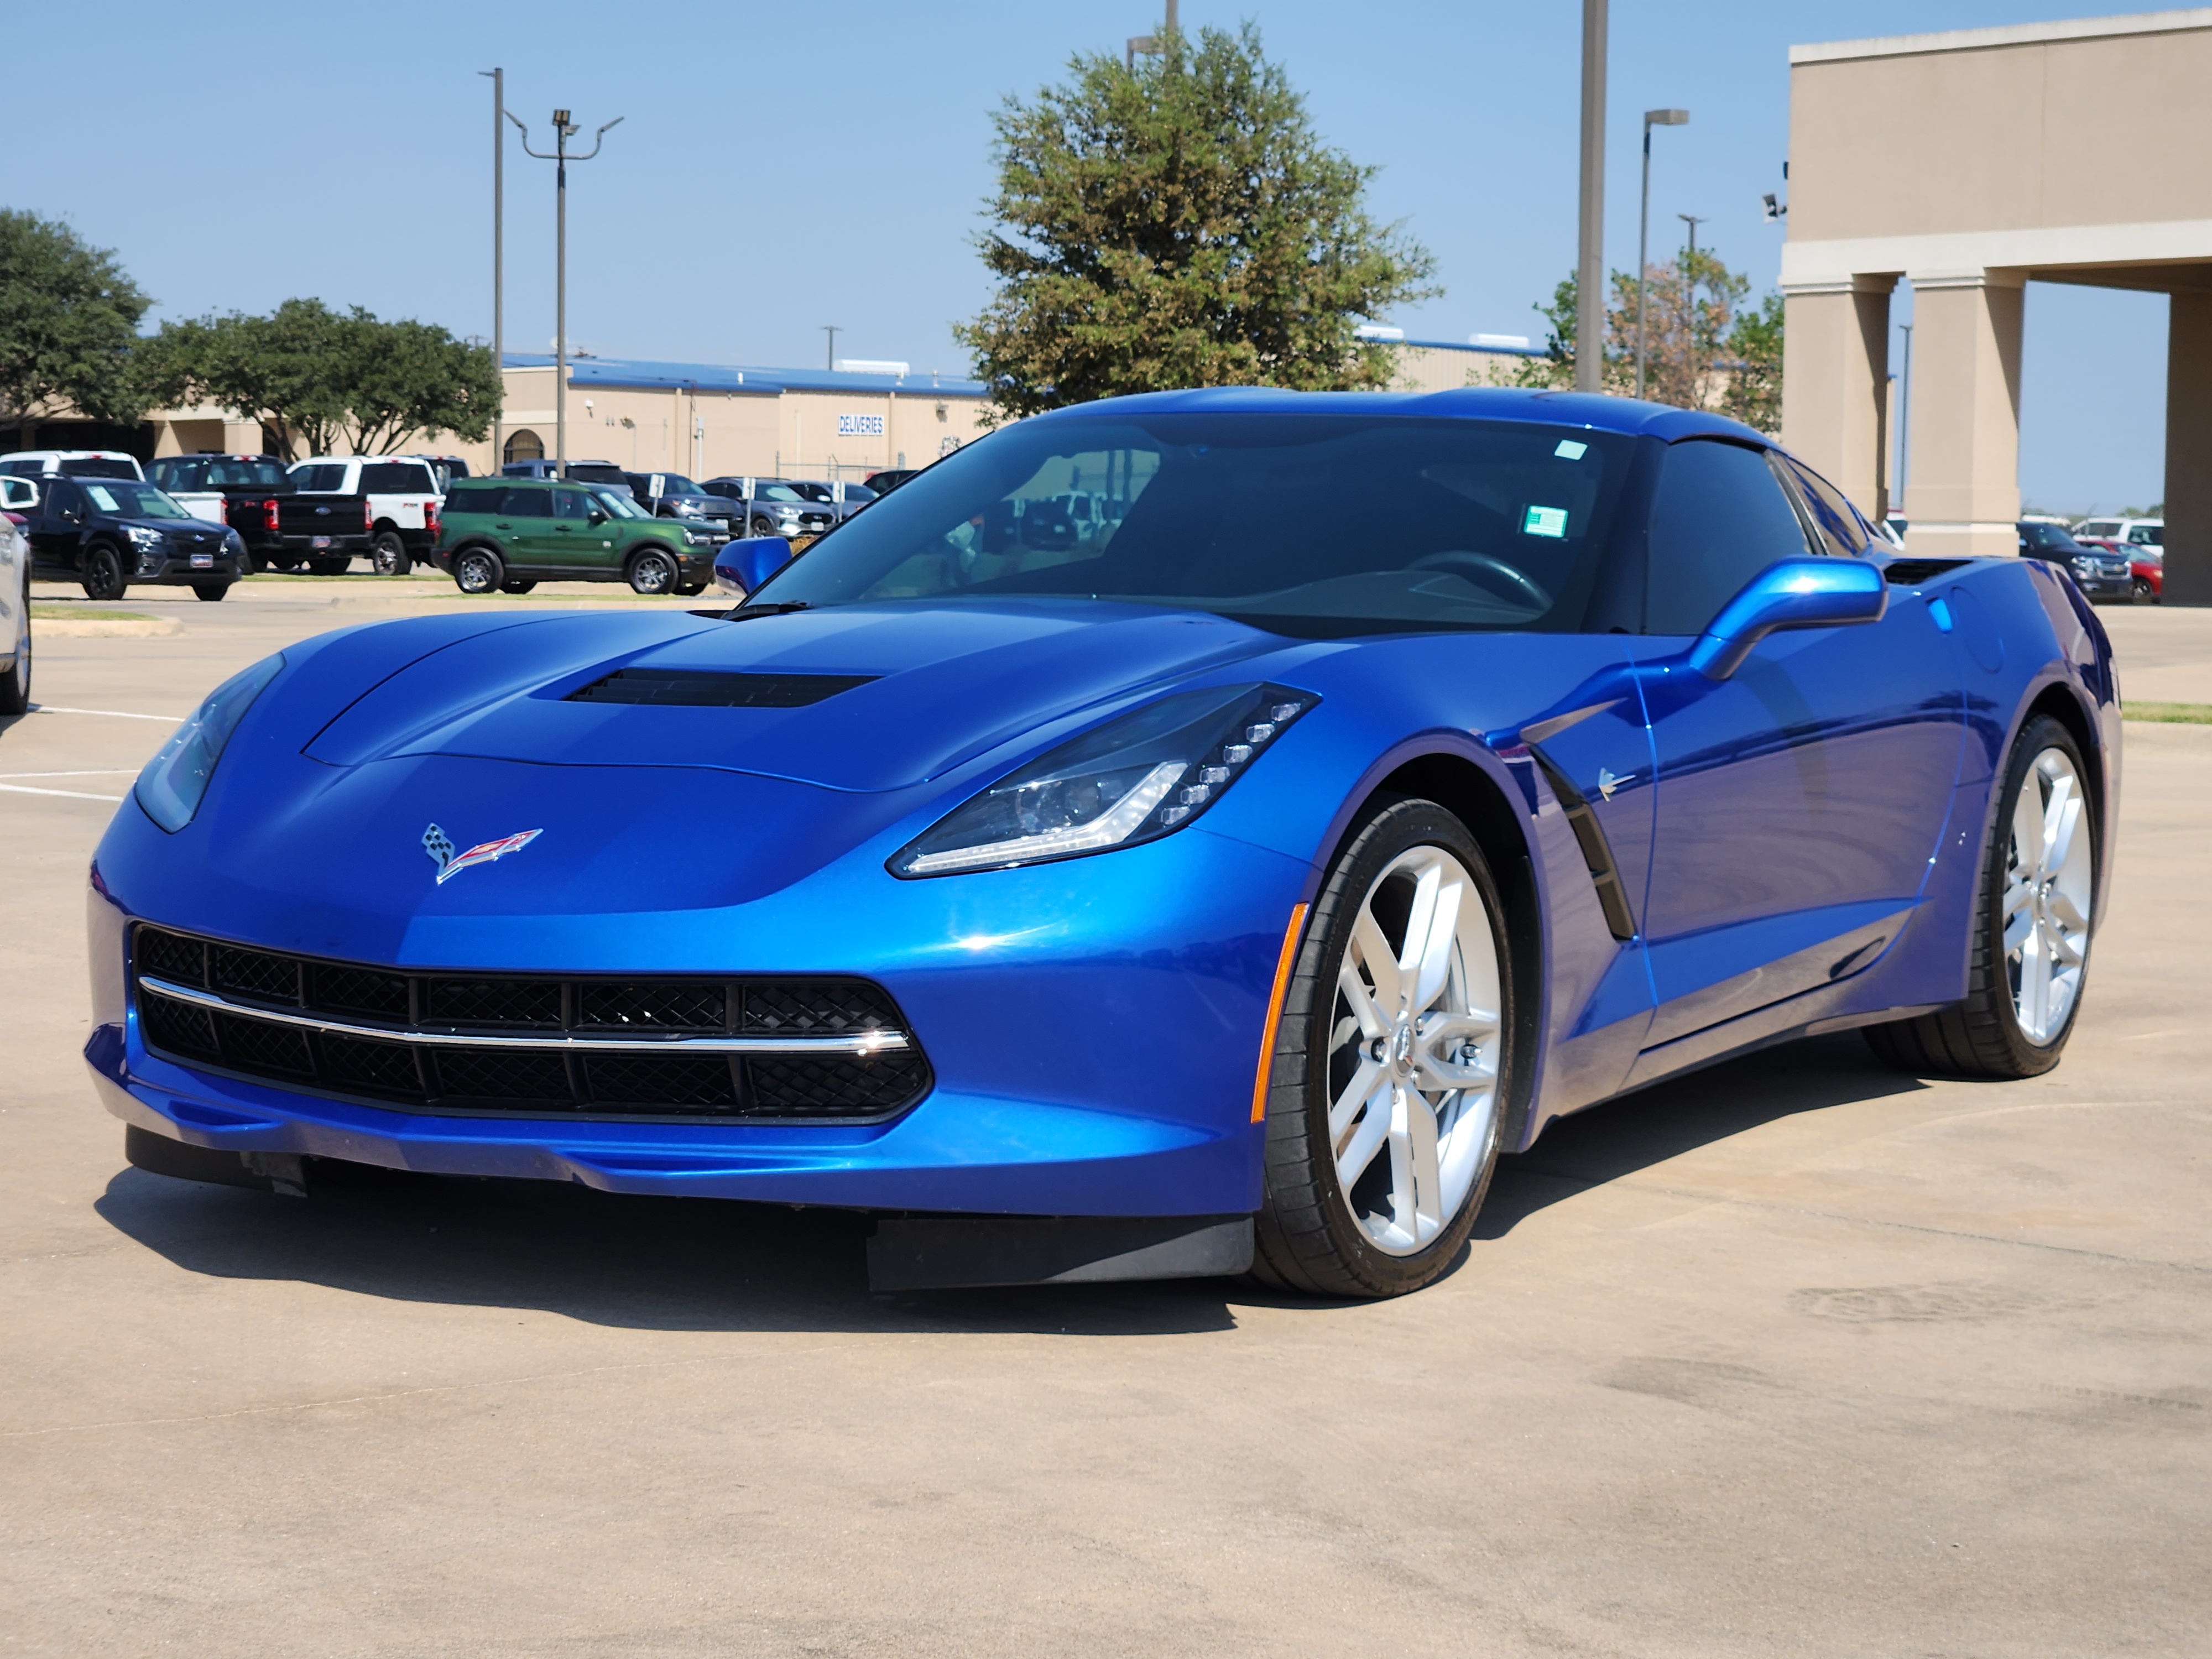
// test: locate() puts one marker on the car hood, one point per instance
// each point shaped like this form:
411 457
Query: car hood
175 527
902 692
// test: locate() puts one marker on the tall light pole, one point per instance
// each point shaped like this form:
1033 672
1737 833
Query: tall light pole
1693 220
1652 118
498 78
1590 256
1149 44
563 130
1903 417
832 330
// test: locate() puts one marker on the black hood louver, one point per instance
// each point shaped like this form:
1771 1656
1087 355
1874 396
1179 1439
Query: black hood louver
695 688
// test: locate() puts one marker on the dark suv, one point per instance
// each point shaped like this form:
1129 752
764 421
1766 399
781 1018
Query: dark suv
106 533
2101 574
672 496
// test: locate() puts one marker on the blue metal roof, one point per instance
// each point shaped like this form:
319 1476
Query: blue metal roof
733 377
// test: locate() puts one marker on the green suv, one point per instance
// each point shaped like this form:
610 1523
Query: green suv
506 535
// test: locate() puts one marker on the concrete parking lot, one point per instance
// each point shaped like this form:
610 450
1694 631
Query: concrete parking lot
1796 1356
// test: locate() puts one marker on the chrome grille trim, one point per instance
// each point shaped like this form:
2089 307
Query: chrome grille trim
867 1043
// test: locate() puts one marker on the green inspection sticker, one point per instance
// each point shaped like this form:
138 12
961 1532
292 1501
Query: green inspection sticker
1545 521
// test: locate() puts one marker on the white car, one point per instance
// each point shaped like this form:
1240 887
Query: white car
403 502
72 464
17 495
2136 532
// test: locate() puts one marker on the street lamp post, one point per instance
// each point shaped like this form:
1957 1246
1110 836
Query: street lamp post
1693 220
1903 417
1590 256
1149 44
498 78
563 130
832 331
1652 118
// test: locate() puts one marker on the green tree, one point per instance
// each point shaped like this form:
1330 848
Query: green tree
1181 224
1701 350
69 315
320 380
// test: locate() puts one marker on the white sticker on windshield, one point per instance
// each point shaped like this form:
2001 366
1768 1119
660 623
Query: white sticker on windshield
1569 450
104 499
1545 521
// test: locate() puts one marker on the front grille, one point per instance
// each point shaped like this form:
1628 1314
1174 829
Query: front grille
269 1027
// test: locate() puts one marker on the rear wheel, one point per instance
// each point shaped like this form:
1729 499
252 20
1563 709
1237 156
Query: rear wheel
103 574
15 683
387 554
2030 944
478 570
652 571
210 591
1391 1066
517 585
2145 594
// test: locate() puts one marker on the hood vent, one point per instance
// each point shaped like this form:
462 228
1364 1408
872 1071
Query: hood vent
691 688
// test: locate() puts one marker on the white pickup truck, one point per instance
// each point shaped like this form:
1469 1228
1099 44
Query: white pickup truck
404 500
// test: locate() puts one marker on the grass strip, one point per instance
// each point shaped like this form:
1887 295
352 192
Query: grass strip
84 613
2169 714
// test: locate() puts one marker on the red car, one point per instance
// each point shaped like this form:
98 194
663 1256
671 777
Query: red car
2147 565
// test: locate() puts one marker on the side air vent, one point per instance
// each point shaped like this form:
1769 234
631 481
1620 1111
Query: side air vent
694 688
1597 851
1911 572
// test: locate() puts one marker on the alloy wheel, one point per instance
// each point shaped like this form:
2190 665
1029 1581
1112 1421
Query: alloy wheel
2049 871
1414 1051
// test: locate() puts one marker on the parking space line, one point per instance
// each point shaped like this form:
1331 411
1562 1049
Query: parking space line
113 713
73 794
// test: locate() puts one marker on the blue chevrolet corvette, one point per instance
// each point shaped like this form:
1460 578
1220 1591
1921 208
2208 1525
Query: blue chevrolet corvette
1104 857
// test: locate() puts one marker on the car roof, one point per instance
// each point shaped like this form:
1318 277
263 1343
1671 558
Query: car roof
1570 408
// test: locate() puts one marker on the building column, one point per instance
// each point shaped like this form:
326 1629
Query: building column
2189 449
1835 379
1962 493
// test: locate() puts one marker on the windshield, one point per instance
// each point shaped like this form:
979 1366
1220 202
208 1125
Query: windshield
246 475
1313 525
128 498
858 492
618 504
675 483
778 492
2049 538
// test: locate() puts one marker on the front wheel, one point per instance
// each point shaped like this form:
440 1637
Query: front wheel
210 591
1393 1062
2031 941
478 570
103 575
15 683
387 554
652 571
763 527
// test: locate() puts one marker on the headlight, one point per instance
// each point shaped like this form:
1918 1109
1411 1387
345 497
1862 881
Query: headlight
144 537
1133 779
697 538
173 781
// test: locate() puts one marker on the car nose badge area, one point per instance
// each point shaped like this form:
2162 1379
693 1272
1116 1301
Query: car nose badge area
450 864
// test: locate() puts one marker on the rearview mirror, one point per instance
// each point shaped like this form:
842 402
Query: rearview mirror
744 565
1789 593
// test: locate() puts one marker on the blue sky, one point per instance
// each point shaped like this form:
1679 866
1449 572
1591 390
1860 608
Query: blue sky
783 168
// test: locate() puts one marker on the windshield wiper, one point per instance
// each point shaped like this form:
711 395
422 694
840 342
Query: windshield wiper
747 612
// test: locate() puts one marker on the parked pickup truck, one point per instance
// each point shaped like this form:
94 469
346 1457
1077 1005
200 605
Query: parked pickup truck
239 490
404 501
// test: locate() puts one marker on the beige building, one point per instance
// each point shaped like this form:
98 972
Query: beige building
1969 164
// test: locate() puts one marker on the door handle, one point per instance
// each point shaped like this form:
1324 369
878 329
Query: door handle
498 525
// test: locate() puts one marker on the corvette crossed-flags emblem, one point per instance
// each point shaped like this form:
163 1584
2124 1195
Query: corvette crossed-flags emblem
450 864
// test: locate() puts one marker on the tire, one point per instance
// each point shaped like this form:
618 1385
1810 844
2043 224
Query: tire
388 554
330 566
103 574
517 584
762 527
15 683
478 570
2018 1012
210 592
2145 594
1315 1231
651 570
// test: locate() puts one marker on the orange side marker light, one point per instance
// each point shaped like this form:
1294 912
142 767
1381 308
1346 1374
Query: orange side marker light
1283 965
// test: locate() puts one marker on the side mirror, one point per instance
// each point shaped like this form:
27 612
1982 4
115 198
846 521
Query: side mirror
595 516
1789 593
744 565
18 493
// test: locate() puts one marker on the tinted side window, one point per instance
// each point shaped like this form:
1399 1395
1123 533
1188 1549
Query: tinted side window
571 504
1718 519
397 478
527 501
62 496
474 501
324 475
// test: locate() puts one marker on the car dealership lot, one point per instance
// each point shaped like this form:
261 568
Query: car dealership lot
1793 1355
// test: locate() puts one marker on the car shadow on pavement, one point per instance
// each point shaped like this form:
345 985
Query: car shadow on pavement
1636 1131
710 1264
644 1263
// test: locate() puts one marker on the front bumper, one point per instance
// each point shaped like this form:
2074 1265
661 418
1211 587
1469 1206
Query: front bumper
1093 1050
166 570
